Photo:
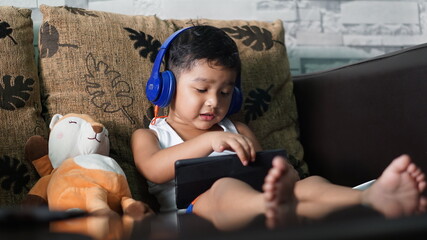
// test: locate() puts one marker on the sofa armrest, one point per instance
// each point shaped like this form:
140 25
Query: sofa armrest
355 119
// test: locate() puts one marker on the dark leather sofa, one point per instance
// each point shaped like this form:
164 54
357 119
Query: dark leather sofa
355 119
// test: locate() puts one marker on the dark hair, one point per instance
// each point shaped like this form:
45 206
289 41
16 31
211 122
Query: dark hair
202 42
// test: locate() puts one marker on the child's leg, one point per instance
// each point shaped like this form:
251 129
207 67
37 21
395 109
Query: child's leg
397 192
231 203
318 197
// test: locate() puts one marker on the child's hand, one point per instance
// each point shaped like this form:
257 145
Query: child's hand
243 146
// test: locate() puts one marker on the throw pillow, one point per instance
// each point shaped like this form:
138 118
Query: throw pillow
20 107
98 63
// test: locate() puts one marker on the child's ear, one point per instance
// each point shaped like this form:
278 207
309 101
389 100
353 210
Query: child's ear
54 120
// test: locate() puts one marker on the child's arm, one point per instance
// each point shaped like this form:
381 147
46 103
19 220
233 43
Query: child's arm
157 165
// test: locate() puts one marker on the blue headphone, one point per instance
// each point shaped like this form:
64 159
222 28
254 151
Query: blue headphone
161 86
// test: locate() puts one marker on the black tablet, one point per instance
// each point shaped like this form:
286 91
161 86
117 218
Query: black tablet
195 176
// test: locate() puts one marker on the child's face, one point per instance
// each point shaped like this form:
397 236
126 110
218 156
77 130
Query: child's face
203 95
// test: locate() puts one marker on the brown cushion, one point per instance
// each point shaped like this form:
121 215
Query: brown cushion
20 107
98 63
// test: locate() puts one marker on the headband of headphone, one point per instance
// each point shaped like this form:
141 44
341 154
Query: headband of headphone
161 86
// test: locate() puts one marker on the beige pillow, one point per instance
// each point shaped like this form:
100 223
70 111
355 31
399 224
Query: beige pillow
20 107
98 63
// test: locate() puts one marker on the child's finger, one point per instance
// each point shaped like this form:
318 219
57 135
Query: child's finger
252 150
240 151
246 145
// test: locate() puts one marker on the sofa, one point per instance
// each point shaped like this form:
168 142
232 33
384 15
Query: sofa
345 124
355 119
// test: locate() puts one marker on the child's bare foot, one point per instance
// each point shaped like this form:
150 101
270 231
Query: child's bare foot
279 195
397 192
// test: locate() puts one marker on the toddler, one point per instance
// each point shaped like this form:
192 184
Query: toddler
203 80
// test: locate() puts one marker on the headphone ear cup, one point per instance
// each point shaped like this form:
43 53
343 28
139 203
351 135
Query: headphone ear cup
236 101
167 89
153 88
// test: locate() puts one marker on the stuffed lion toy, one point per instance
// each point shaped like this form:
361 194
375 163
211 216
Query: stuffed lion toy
77 172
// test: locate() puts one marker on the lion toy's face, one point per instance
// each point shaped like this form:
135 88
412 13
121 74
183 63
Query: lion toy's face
76 134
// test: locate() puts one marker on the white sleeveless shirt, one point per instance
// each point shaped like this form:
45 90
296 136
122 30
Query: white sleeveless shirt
165 193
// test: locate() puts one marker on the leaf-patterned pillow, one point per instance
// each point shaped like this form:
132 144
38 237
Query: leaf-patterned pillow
98 63
20 107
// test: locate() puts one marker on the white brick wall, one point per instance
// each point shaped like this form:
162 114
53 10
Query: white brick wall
22 3
379 12
319 33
